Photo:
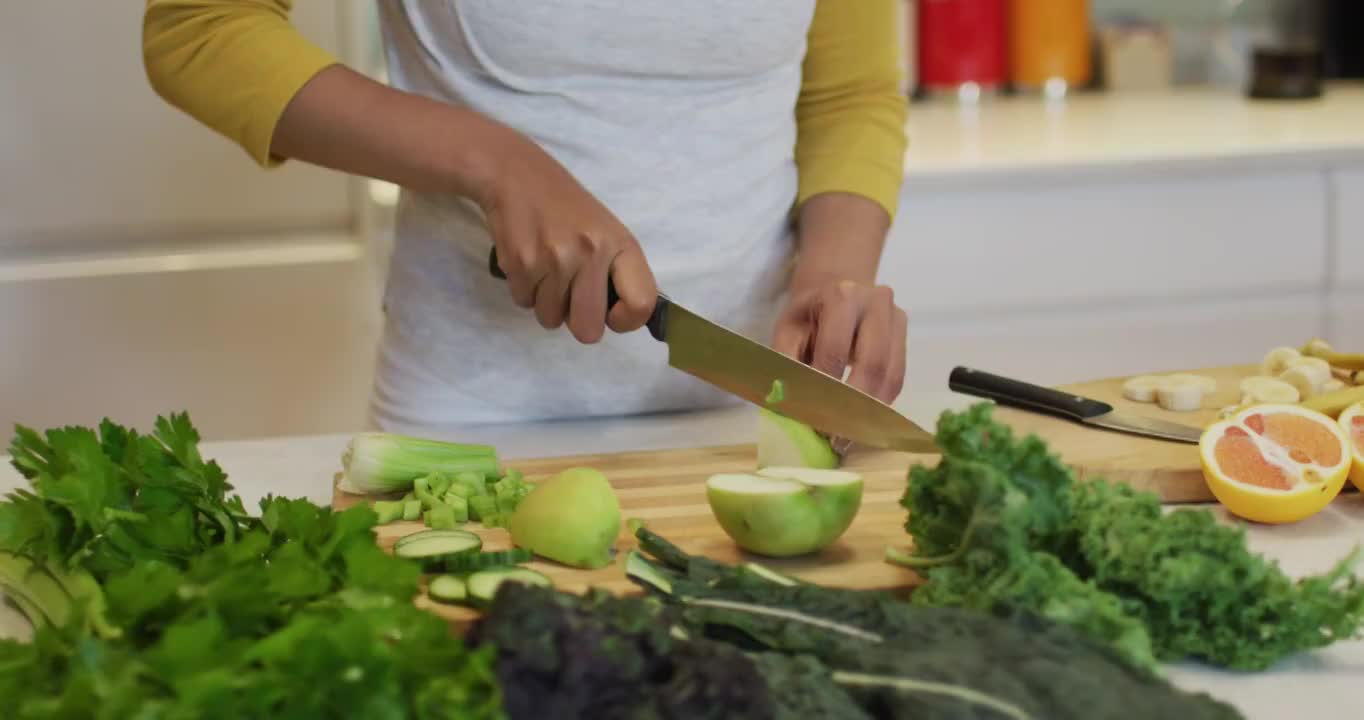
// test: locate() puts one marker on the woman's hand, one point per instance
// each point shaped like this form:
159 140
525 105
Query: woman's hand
558 244
837 317
834 325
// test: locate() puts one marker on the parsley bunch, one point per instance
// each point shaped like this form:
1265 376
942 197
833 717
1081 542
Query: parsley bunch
156 595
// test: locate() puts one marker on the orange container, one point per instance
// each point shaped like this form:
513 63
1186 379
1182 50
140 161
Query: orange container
1049 40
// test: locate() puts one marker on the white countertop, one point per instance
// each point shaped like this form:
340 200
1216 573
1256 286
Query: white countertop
1322 685
1184 128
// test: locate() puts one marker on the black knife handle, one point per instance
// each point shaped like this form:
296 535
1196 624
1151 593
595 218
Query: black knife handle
657 320
1017 393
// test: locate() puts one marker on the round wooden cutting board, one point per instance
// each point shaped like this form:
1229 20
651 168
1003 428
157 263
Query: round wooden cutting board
1170 469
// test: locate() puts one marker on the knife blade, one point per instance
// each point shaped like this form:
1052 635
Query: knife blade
1089 411
745 368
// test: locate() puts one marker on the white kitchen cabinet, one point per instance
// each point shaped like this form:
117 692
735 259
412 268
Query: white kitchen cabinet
1349 228
250 350
1122 240
1053 347
91 157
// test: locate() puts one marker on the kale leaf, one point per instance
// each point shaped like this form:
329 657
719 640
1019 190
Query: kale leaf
1002 521
908 661
1197 587
600 656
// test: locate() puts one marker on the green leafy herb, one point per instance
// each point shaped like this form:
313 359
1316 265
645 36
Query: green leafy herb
1001 520
599 656
907 661
155 595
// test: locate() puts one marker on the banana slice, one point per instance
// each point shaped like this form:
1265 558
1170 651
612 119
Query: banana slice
1276 361
1141 388
1261 389
1301 379
1308 375
1180 394
1207 384
1332 385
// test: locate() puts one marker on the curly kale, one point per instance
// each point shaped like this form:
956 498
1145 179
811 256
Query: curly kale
1197 587
1002 521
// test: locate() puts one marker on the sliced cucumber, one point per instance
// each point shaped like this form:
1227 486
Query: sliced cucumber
487 560
448 589
432 546
425 535
483 585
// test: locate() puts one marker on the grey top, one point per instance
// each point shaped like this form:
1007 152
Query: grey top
679 116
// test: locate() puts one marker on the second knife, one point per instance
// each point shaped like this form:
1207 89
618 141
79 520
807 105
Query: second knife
1026 396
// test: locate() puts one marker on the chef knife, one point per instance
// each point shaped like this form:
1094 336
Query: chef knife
1026 396
747 369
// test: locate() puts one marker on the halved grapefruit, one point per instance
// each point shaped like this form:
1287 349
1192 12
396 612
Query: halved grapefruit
1275 463
1352 422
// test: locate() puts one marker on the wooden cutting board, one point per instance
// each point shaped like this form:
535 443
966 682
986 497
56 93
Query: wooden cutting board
1170 469
666 489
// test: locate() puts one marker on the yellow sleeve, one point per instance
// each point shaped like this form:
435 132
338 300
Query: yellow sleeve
233 65
850 116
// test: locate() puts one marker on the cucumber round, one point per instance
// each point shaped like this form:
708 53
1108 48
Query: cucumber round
488 560
483 584
423 535
431 545
448 589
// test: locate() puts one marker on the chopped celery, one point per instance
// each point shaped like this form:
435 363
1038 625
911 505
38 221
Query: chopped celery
376 463
481 506
412 510
388 511
439 484
441 517
460 506
513 475
459 490
422 487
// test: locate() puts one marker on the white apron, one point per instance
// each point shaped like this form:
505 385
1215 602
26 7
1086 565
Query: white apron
677 114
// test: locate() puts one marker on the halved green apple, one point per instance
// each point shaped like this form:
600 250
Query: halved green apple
784 511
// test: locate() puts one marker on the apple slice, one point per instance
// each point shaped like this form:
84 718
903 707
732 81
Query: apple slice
785 511
786 442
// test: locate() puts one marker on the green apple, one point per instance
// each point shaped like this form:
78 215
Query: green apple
573 518
785 511
783 442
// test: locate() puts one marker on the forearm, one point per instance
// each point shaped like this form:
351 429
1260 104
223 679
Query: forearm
840 237
345 121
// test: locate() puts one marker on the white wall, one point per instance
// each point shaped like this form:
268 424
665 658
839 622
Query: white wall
147 265
92 157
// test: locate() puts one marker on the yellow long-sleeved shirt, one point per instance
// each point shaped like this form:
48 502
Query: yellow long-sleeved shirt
234 65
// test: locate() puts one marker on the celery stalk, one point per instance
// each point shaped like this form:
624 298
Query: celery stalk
376 463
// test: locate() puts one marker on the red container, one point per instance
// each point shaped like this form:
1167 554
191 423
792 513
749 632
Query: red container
961 42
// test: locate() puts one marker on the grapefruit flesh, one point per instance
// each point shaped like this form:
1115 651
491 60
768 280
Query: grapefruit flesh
1276 463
